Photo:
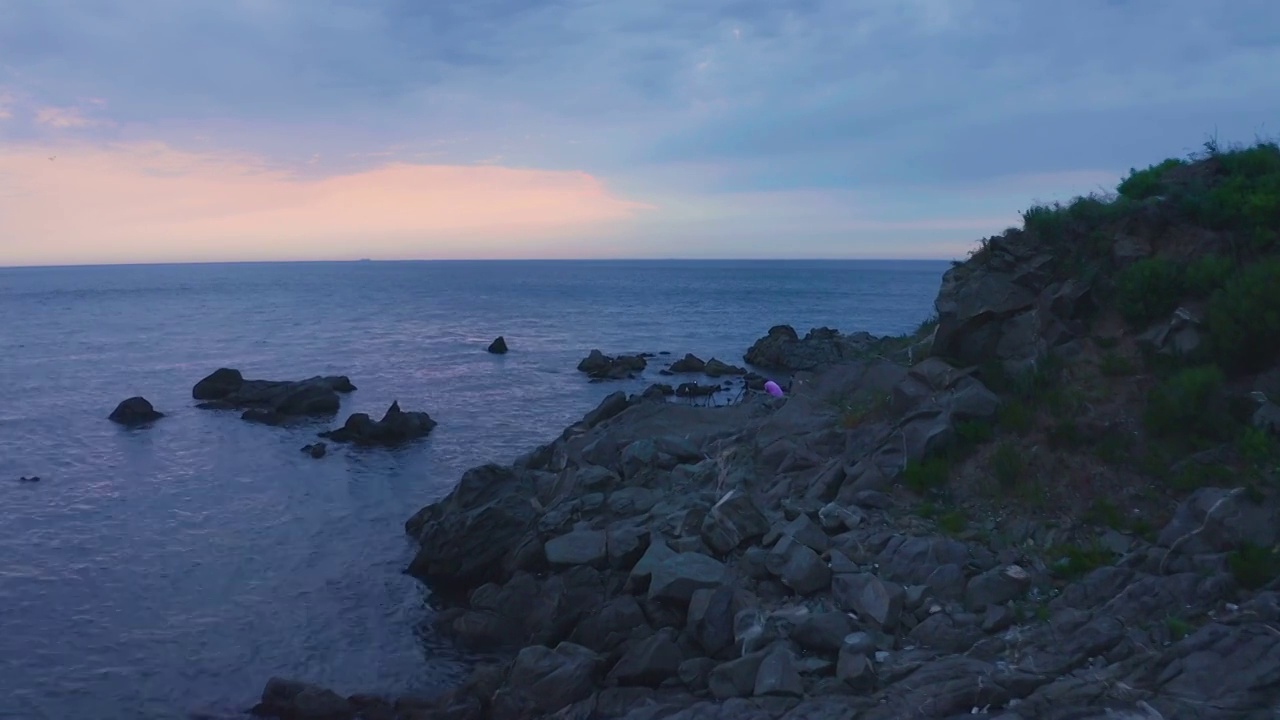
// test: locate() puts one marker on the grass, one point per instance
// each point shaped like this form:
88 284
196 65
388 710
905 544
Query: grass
1178 628
953 522
1254 567
860 407
1008 465
1190 405
926 475
1073 561
1113 364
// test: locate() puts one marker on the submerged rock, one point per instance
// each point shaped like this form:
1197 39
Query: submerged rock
271 402
134 411
395 428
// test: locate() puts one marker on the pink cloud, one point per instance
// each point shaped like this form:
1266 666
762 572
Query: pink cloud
149 202
63 118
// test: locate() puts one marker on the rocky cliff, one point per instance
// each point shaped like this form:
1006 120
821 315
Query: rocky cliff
1066 510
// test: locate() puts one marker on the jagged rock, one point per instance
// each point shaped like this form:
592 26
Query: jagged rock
777 674
580 547
996 586
870 597
823 632
710 619
736 678
543 680
798 566
1179 336
498 346
679 576
293 700
1215 520
718 368
395 428
649 662
271 401
782 349
733 520
599 366
690 363
134 411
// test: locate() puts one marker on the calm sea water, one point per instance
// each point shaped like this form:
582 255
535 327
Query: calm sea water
170 569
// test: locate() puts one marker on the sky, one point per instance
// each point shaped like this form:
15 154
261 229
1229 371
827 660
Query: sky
225 130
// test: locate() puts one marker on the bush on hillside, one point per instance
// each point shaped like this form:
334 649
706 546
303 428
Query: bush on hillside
1190 405
1207 274
1244 318
1143 184
1148 290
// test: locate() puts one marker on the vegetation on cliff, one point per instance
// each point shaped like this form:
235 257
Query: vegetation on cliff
1142 361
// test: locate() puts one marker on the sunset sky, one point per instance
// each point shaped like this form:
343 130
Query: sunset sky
209 130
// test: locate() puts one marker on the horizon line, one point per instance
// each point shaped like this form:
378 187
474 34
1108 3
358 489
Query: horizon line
161 263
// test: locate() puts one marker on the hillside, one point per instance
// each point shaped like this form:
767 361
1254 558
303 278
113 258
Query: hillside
1057 501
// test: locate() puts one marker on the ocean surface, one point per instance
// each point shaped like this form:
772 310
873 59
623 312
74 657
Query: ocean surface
172 569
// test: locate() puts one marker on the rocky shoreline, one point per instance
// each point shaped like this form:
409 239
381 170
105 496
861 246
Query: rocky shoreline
1058 501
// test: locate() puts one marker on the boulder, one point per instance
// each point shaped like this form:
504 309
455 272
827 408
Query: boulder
498 346
580 547
395 428
599 366
718 368
649 662
690 363
271 401
677 577
134 411
733 520
315 450
293 700
543 680
782 349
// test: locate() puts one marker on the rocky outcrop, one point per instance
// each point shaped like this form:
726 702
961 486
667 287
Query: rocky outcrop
395 428
782 349
599 366
134 411
272 402
1010 307
498 346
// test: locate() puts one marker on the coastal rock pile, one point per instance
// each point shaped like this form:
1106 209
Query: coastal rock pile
782 349
599 366
396 427
272 402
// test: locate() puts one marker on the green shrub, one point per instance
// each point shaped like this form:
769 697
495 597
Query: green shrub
1113 364
930 474
1142 184
1008 464
1243 318
1148 290
1207 274
1253 566
953 522
1190 405
971 433
1014 416
1257 447
1073 562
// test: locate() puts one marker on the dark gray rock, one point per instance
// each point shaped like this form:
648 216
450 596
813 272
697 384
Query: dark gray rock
395 428
293 700
543 680
679 576
799 567
777 674
870 597
580 547
315 450
271 401
649 662
498 346
710 619
134 411
732 521
997 586
736 678
782 349
690 363
717 368
823 631
599 366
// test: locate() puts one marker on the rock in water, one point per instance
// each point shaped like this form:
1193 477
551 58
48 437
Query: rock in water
498 346
134 411
272 402
395 428
599 366
315 450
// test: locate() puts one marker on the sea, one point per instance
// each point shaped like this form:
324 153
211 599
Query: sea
170 570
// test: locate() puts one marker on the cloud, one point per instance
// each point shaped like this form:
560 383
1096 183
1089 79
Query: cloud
151 202
63 118
935 108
